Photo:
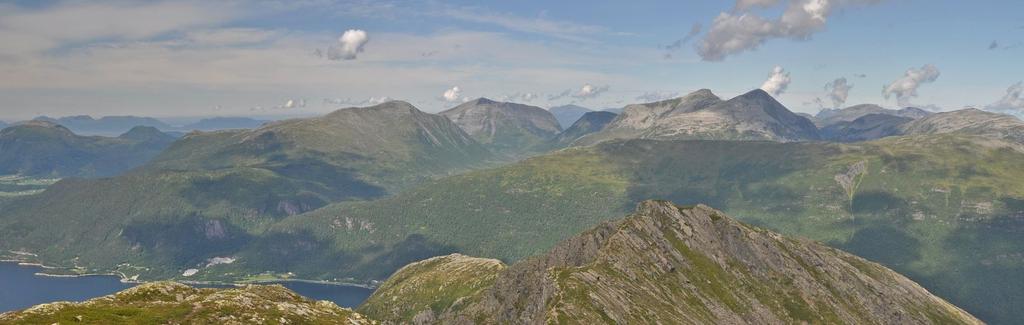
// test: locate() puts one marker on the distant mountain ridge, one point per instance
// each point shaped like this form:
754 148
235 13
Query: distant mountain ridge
868 127
568 114
44 149
591 122
969 121
223 123
702 115
663 264
828 117
107 125
506 128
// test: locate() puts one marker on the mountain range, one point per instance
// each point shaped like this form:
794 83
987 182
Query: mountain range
354 195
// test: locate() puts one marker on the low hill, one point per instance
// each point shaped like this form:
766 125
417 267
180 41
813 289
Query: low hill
663 264
173 303
702 115
44 149
507 128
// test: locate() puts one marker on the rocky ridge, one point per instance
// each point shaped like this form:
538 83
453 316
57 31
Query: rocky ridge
689 265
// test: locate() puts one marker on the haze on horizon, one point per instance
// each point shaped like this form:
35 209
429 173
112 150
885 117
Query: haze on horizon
259 58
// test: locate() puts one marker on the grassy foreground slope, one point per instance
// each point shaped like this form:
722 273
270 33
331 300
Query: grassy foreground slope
943 209
174 303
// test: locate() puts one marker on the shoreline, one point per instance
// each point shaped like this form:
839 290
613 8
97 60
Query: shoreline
124 279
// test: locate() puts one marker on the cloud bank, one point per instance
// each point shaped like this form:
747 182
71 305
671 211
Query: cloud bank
741 30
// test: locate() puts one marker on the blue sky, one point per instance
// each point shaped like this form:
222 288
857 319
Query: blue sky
199 58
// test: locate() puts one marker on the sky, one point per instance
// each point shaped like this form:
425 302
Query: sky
255 58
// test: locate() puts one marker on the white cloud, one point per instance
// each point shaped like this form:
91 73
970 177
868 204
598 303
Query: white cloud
738 31
293 103
1012 101
777 81
590 91
838 91
453 94
656 96
350 44
905 87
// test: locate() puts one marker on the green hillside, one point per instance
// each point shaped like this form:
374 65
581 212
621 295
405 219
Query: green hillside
940 209
212 194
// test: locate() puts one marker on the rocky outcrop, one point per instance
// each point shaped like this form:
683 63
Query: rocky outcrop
755 115
666 264
174 303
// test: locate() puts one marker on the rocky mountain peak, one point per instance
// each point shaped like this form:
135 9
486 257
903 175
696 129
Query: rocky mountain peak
682 265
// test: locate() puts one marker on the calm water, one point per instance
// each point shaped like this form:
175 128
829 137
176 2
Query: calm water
21 288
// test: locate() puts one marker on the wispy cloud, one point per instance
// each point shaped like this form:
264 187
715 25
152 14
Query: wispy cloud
905 88
536 25
27 30
1012 102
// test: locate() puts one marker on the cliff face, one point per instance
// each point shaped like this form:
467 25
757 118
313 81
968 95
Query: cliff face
693 265
174 303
